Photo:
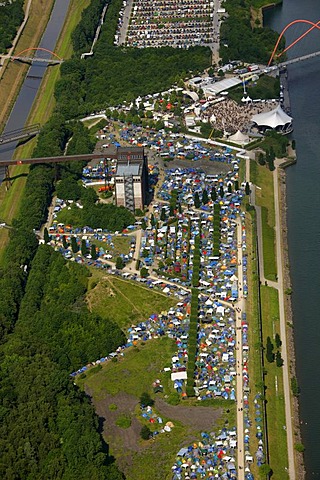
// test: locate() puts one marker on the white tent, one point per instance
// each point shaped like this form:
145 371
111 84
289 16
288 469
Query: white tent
273 119
239 138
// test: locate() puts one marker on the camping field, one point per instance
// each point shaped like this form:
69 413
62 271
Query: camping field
115 390
126 302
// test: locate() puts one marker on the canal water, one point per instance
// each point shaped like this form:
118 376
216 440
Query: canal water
303 200
30 87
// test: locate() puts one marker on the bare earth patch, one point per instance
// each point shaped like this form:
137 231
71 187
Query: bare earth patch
125 443
199 418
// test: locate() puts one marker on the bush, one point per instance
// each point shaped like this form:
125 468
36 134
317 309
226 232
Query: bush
146 400
173 398
299 447
145 432
123 421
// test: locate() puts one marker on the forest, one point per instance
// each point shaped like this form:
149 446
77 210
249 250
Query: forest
115 74
48 428
240 40
11 16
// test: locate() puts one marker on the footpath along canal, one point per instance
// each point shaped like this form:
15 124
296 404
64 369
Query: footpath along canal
303 197
32 82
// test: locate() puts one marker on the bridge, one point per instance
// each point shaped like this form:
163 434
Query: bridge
64 158
298 59
29 59
20 134
303 57
48 61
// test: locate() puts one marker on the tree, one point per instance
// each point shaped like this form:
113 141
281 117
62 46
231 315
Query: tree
144 272
64 242
197 202
205 197
153 220
277 339
295 387
74 245
213 194
261 159
84 250
221 191
143 224
93 252
146 400
145 432
265 470
279 359
163 215
119 263
247 189
46 235
269 350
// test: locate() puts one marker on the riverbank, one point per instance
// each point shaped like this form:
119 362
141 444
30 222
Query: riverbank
299 460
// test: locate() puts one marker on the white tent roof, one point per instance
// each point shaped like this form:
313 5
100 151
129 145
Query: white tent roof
274 118
239 137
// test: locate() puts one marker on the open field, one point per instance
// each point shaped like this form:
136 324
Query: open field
263 178
10 202
274 387
115 390
125 302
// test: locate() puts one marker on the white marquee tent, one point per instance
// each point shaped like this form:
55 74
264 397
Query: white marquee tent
273 119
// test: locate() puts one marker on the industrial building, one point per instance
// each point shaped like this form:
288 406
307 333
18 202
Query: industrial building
131 178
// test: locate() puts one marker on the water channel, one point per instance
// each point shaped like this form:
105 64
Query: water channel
32 82
303 199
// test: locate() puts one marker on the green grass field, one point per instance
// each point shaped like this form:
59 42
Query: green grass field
135 372
274 388
125 302
263 178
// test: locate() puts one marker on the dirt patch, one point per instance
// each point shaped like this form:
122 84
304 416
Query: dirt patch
199 418
126 443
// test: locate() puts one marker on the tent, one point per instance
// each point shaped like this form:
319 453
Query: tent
239 138
273 119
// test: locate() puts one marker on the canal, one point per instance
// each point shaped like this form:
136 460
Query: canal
303 199
32 82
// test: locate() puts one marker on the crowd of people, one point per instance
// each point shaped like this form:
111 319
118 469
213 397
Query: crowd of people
228 116
178 23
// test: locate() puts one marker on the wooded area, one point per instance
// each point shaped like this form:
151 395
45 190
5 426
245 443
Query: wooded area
48 428
11 16
239 40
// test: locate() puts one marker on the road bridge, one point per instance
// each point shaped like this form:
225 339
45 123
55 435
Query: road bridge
298 59
62 159
20 134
